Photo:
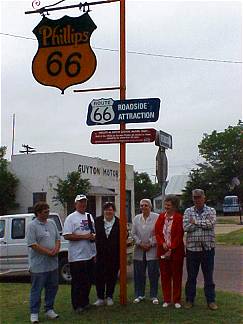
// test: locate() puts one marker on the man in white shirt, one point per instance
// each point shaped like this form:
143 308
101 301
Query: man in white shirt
79 231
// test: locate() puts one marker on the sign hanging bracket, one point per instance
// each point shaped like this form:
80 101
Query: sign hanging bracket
85 7
42 10
80 6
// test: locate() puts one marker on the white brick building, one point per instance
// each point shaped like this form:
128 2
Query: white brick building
38 175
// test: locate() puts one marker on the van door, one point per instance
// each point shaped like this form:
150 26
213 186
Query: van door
17 247
3 247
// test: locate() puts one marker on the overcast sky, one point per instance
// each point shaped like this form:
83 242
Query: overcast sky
196 96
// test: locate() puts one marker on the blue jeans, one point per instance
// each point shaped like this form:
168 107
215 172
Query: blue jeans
47 280
140 276
204 258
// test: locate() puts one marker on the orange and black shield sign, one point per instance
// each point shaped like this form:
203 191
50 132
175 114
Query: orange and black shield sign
64 56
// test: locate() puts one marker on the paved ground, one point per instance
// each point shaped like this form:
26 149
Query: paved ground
227 228
228 273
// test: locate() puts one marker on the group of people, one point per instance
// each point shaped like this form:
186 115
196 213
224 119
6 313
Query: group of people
159 245
93 253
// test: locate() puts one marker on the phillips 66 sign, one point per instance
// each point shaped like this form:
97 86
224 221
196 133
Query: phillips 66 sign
64 56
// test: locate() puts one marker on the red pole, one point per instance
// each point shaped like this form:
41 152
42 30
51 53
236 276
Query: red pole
123 220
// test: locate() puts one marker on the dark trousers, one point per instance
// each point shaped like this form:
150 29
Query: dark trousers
204 258
106 278
82 277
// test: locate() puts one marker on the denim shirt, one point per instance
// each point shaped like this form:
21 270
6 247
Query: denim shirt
46 235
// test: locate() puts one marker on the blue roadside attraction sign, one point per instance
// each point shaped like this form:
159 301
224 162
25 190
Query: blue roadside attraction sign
108 111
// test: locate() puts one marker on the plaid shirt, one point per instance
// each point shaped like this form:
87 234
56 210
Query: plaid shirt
201 235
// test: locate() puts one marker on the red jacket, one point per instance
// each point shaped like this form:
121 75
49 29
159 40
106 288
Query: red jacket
177 233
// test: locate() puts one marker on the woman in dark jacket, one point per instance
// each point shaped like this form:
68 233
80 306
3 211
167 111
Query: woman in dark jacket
107 259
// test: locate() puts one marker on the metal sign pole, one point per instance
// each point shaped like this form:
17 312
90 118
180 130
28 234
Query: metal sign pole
123 220
161 171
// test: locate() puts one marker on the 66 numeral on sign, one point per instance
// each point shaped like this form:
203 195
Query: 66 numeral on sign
72 66
102 115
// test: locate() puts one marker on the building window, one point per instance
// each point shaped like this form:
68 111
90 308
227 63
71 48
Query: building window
18 228
39 196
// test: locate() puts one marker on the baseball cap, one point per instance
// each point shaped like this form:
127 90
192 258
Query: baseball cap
80 197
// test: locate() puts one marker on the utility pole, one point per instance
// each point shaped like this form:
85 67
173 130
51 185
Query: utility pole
13 133
123 219
27 149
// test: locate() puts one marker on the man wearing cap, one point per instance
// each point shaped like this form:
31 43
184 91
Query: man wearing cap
199 221
79 231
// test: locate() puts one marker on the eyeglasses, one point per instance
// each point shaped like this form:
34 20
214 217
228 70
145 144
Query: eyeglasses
144 205
197 197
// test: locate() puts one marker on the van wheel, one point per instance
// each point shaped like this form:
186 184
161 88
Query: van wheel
64 270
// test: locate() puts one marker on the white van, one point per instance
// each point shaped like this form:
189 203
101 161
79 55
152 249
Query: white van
231 205
14 249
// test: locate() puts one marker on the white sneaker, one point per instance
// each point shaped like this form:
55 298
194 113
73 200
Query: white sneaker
51 314
138 299
99 302
155 300
165 305
177 305
109 301
34 318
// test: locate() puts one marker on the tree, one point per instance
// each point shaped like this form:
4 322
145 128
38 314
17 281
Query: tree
69 188
8 185
222 172
144 188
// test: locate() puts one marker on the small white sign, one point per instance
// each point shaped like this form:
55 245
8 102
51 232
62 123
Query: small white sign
164 140
102 111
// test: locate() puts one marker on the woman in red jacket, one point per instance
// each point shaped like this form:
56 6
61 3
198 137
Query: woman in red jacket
170 248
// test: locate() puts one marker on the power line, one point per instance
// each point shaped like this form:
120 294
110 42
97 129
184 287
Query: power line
17 36
186 58
146 54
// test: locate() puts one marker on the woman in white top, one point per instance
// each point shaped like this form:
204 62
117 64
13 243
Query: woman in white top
145 252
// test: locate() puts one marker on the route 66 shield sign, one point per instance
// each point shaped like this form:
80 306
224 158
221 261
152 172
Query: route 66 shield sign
101 110
64 55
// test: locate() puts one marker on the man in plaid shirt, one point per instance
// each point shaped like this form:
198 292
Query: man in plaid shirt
198 222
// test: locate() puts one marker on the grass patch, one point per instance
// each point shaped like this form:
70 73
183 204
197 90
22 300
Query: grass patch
14 306
232 238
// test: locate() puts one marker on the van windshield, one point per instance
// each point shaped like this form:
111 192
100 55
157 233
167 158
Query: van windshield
57 221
